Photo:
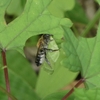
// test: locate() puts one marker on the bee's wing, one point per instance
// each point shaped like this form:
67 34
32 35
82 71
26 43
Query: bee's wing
52 57
30 53
53 54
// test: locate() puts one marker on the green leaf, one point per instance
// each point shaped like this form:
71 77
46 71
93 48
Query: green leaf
21 66
22 78
50 83
83 53
3 5
76 14
83 94
34 20
98 1
58 96
53 55
10 95
58 7
16 7
72 61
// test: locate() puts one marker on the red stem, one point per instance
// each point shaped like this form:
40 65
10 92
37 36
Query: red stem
6 72
72 90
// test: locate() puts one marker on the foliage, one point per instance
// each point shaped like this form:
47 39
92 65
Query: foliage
83 50
98 1
75 17
52 83
58 7
74 55
21 75
58 96
83 94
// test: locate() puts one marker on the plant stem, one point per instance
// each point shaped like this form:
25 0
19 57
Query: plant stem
72 90
91 24
6 72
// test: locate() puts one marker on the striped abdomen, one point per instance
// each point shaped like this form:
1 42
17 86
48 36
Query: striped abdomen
40 57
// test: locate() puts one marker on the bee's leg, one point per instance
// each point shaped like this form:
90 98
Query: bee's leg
49 67
52 50
47 61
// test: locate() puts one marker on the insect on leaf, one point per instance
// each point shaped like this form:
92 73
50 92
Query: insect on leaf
34 20
55 82
52 56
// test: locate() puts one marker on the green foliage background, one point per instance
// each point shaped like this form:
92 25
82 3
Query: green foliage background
34 17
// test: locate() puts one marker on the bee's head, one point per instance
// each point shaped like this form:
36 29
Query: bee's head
47 36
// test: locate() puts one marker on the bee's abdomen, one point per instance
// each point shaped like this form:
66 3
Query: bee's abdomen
40 58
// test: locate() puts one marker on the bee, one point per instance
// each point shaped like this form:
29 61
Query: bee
42 46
